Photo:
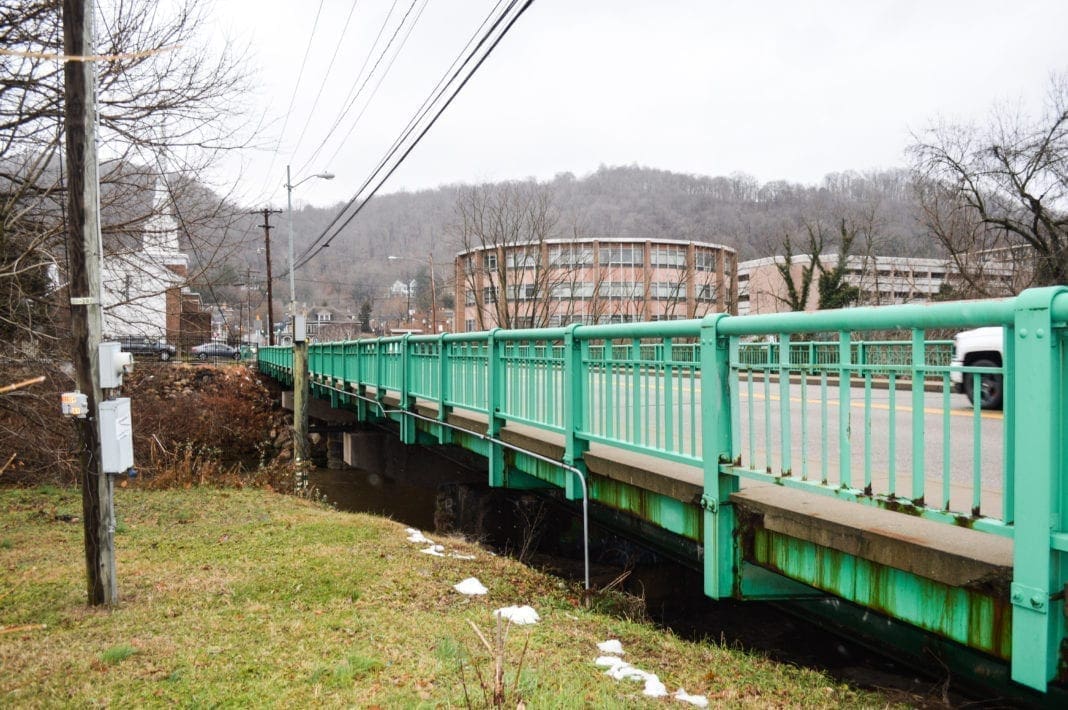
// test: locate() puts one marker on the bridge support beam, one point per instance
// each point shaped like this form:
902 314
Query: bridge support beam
1041 497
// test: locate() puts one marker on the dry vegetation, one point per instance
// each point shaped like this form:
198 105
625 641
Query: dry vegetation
193 424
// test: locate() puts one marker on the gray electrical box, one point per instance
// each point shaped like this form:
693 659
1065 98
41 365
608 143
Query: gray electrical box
300 329
116 435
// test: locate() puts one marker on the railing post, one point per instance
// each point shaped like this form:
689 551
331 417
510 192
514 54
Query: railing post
361 386
719 523
407 402
575 442
444 391
494 422
1039 572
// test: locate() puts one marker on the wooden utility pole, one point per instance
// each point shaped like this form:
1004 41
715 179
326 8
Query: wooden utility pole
267 226
85 250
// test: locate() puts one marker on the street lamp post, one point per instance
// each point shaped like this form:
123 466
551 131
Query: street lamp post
300 343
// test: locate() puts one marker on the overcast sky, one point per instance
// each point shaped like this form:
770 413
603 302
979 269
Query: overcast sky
776 89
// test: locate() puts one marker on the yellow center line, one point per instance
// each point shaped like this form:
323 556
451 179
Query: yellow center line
886 407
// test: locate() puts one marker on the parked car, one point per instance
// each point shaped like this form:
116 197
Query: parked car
215 350
153 347
980 347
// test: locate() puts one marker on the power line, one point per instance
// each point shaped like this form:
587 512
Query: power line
355 97
378 84
323 240
322 84
293 97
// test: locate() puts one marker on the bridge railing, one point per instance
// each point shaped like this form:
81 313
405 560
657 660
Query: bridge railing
839 415
803 400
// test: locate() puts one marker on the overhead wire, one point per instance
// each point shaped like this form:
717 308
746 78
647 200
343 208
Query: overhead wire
432 97
292 99
325 237
326 76
355 90
381 79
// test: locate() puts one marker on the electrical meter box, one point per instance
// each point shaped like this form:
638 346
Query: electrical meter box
116 435
113 363
300 329
74 404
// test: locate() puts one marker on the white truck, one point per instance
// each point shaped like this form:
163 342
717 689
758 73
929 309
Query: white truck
981 347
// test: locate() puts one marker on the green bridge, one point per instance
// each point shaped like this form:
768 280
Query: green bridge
791 456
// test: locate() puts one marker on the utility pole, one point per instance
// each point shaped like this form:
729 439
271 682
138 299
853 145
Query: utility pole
85 254
267 226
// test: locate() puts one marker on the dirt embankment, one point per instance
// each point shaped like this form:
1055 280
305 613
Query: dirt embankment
192 423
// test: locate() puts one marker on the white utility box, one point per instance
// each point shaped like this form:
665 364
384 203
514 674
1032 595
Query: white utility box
116 435
113 364
300 329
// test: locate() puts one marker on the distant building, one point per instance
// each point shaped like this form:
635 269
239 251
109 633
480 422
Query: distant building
558 282
882 280
144 293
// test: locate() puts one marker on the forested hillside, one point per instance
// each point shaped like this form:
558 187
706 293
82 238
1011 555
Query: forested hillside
625 201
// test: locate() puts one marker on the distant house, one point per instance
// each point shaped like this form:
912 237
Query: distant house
144 293
399 288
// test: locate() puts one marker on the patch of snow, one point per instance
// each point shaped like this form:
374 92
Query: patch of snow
417 537
470 586
653 687
612 646
609 661
698 700
625 671
458 556
436 550
519 615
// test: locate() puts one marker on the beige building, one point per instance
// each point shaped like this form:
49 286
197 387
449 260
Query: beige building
558 282
882 280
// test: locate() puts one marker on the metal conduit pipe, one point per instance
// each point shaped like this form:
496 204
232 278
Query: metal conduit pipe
493 440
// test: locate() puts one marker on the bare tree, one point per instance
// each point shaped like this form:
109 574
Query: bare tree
168 107
510 275
996 196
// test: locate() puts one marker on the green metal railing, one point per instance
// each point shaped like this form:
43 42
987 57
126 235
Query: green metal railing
752 398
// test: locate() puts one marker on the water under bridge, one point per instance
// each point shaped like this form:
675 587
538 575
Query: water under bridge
789 456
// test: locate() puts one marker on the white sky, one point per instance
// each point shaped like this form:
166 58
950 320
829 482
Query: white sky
776 89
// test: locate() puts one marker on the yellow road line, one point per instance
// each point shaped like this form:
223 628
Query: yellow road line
886 407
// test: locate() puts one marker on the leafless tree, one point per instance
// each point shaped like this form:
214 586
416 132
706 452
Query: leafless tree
996 196
510 276
169 106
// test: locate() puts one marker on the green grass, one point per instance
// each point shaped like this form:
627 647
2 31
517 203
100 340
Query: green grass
240 597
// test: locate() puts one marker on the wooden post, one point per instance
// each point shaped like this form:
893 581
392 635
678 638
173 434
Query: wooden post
85 253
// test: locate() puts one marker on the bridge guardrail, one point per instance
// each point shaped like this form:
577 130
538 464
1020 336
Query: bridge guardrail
842 417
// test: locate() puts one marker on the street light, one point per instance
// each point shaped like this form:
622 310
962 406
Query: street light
433 291
289 207
300 347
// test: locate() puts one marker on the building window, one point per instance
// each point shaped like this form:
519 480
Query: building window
521 259
469 298
620 289
707 293
489 294
704 260
570 256
667 291
622 255
490 261
469 325
569 291
667 257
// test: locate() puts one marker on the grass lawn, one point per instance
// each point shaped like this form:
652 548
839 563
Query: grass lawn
247 597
